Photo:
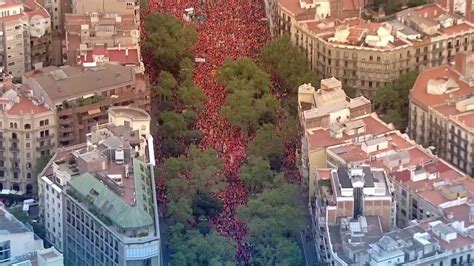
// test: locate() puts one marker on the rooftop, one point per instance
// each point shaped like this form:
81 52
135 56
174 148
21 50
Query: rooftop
10 225
27 106
321 137
16 101
67 83
109 203
410 26
350 237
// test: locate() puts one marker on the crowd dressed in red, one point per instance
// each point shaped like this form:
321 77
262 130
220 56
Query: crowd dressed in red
231 29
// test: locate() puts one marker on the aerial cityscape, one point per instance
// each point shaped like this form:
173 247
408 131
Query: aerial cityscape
242 132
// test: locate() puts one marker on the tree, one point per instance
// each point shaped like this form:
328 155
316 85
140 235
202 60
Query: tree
175 167
273 212
266 143
179 211
169 41
166 85
280 250
244 74
190 118
199 167
172 147
392 103
173 125
247 113
192 96
288 62
274 220
239 109
193 137
204 165
204 205
40 164
257 174
186 69
189 247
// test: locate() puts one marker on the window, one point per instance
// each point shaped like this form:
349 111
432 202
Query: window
27 126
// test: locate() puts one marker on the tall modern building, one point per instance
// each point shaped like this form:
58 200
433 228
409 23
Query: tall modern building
365 54
27 134
99 202
442 111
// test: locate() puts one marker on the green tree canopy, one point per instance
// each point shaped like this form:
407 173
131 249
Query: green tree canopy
186 69
244 74
201 166
257 174
247 113
191 95
204 205
189 247
266 143
274 219
169 40
173 124
166 85
179 211
288 62
392 102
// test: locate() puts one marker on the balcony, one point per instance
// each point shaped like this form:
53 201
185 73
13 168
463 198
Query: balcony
66 121
45 137
45 147
15 169
14 148
14 139
69 137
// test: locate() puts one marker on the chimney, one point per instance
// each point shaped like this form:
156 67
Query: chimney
119 47
126 51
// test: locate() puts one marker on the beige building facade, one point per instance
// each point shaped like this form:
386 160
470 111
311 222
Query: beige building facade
28 133
25 37
368 55
442 114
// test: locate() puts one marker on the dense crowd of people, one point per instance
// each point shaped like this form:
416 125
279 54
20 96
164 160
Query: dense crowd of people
229 29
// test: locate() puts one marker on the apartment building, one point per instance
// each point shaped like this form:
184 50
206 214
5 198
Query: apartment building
16 239
91 195
367 55
422 183
428 191
351 193
25 36
81 95
441 113
101 28
43 257
53 7
444 241
28 134
328 117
